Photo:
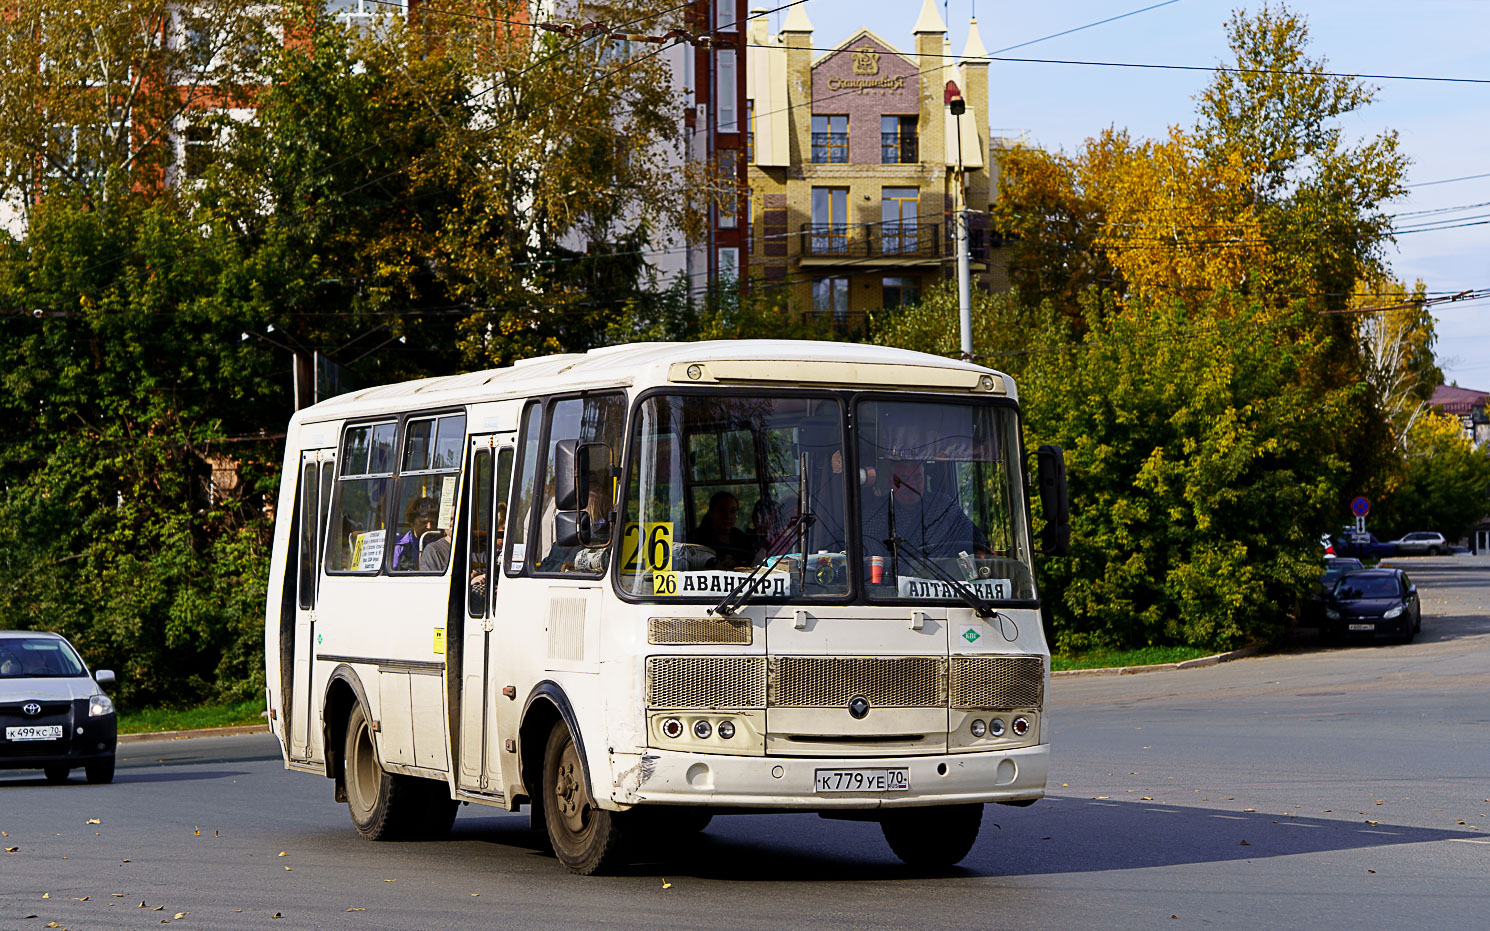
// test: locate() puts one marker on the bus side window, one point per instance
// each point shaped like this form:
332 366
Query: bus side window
428 478
522 498
309 520
359 520
479 545
598 419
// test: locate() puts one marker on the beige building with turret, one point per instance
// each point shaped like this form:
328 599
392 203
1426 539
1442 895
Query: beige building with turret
854 159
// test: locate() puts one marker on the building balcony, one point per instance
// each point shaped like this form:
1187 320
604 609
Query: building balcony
891 243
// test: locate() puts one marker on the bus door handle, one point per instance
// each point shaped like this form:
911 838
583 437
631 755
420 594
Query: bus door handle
918 620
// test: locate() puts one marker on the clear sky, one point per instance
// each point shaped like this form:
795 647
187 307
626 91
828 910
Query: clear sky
1444 128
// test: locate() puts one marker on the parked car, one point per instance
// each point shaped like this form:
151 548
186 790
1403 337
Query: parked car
1425 542
1373 603
54 715
1334 568
1363 546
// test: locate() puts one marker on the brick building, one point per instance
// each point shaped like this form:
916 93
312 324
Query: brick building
854 158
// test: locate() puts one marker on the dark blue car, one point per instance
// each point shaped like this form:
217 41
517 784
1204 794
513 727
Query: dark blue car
1373 604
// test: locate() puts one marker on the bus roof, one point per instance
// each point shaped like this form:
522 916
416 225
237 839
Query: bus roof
635 363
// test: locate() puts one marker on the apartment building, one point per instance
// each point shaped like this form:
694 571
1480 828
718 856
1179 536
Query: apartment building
854 157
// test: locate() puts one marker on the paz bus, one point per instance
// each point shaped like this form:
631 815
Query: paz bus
639 586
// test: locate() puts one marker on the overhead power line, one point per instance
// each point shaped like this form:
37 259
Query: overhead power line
1067 32
1448 180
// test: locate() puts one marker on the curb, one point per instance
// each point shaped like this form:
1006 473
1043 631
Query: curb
201 732
1196 663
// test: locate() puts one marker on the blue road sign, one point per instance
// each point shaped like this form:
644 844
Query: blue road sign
1360 507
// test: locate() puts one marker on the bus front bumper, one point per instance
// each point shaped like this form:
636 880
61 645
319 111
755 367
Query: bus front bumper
673 778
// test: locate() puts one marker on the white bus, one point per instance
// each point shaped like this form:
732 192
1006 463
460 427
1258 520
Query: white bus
639 586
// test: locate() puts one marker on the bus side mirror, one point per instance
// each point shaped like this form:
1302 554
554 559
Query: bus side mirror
1056 538
571 475
572 528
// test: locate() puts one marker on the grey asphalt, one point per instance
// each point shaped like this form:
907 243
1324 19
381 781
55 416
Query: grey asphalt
1343 787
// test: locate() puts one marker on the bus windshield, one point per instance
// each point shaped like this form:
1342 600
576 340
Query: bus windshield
941 501
721 483
725 485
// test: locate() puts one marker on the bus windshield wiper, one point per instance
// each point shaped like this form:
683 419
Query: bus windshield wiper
963 590
731 602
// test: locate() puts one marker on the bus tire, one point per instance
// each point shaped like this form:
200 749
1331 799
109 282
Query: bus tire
384 805
932 838
586 839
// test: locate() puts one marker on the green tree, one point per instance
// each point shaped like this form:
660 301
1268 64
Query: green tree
132 461
1198 479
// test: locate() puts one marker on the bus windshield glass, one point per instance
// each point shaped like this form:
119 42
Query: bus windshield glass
723 484
941 501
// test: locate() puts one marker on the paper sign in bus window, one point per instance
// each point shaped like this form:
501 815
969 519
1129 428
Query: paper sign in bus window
367 550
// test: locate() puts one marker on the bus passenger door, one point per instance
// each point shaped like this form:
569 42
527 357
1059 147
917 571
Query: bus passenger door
302 705
490 477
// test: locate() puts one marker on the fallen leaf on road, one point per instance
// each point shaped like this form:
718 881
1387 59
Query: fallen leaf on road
198 830
288 869
1249 809
53 924
1244 844
94 821
276 915
475 894
1372 822
1147 798
666 884
1370 871
125 860
83 899
158 908
283 853
356 909
390 880
14 849
117 895
179 915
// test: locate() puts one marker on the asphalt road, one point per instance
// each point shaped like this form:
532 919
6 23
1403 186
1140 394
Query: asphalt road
1333 788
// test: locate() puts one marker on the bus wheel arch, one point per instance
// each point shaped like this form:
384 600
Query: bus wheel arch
546 707
343 693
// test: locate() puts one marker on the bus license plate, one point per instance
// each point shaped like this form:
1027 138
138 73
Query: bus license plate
1362 626
863 780
41 732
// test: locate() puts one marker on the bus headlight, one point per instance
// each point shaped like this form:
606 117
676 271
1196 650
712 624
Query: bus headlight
702 730
672 728
1021 726
726 730
978 727
996 727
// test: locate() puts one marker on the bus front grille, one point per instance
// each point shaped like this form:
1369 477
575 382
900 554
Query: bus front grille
833 681
706 682
698 630
977 682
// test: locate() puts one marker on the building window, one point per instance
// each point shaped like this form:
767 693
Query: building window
725 16
898 140
729 265
900 292
899 230
726 93
198 147
829 220
829 139
830 295
362 15
750 132
729 181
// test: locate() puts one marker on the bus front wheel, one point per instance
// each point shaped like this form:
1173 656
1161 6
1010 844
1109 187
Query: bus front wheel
932 838
585 838
388 806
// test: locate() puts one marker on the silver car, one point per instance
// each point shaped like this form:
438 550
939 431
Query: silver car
1423 543
54 716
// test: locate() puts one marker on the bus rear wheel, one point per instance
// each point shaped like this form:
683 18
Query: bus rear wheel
932 838
388 806
586 839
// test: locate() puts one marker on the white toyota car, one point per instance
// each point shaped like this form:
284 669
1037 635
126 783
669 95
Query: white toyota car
54 715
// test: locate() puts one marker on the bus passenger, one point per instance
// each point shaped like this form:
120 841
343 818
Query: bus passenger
421 517
927 518
718 532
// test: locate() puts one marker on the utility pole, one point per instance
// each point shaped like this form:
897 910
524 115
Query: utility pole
958 107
